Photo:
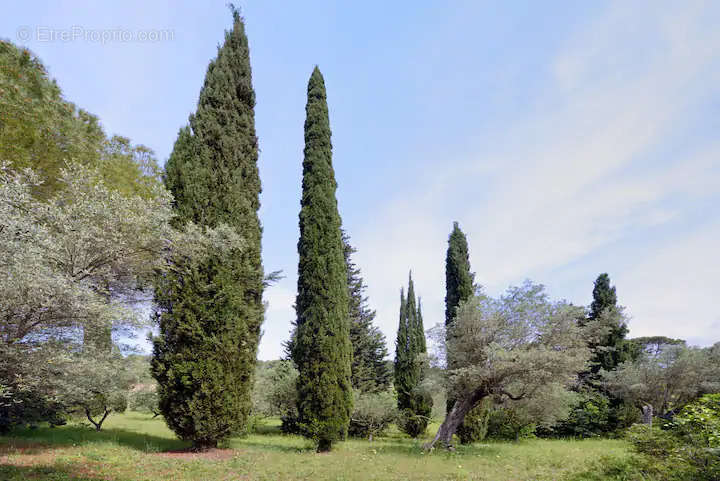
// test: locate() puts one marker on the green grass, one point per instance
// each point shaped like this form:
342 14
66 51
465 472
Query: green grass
130 448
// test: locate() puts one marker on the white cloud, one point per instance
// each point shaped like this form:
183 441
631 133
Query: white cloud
580 172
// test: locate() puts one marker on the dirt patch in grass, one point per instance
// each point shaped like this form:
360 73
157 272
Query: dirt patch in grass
210 454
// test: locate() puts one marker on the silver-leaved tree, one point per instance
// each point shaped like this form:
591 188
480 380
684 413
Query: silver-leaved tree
520 347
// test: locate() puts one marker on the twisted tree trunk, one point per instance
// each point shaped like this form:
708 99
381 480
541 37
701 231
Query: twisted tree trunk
455 417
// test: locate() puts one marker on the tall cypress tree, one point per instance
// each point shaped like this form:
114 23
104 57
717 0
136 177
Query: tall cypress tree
322 349
458 278
414 403
210 316
459 286
370 372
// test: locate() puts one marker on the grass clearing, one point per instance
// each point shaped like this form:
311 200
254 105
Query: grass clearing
134 446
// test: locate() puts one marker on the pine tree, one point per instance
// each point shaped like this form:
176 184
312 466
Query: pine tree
210 314
370 372
322 349
414 402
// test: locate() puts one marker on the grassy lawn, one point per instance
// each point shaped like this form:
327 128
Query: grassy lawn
133 446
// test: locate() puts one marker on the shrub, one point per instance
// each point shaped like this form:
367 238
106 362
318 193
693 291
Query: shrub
699 422
588 418
475 425
414 419
372 415
508 423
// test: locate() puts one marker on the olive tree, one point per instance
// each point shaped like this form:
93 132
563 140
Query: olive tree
664 379
517 347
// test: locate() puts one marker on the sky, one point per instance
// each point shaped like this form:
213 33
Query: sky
567 138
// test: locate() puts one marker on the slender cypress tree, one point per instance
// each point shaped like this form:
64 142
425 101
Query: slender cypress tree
414 403
458 278
370 371
322 349
210 316
459 286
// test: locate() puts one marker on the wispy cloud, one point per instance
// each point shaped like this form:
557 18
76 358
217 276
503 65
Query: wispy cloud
605 153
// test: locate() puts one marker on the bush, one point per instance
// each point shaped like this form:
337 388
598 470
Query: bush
22 408
145 399
699 422
594 414
414 419
509 424
474 427
372 415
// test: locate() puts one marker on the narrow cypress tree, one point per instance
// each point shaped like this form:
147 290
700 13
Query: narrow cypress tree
414 403
459 286
210 315
322 349
458 278
370 372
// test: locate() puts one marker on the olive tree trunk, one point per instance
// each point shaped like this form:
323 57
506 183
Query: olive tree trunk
455 417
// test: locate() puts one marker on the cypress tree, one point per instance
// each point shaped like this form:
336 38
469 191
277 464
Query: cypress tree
370 372
414 403
322 349
210 315
459 286
458 278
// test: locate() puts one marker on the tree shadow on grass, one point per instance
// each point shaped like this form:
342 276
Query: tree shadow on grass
83 436
18 473
240 443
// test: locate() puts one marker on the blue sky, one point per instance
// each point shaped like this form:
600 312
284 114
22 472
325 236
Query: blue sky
567 138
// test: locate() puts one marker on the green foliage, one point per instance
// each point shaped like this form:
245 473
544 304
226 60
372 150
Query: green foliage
210 309
459 287
509 424
588 417
666 381
21 407
322 349
42 131
521 346
685 450
372 414
474 427
609 348
699 422
370 372
459 281
413 399
145 399
275 392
